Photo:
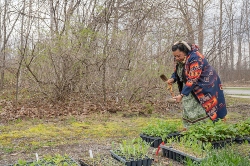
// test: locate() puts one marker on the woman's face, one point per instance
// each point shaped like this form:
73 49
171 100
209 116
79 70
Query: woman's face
179 55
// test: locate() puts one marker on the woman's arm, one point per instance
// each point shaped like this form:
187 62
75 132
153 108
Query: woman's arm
173 77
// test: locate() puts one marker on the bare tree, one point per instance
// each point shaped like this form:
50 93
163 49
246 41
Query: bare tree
220 38
7 31
239 40
187 19
248 30
114 49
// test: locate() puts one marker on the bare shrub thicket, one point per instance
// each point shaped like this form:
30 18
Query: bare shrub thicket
116 49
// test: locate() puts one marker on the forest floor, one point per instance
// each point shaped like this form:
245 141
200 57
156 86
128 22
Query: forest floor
73 129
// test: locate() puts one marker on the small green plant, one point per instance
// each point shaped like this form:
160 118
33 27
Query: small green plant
189 145
161 128
8 149
242 149
21 162
223 157
243 128
135 148
211 131
56 160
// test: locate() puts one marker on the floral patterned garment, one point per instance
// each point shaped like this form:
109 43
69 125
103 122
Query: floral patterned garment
192 110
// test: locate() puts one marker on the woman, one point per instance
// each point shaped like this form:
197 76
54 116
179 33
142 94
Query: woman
199 85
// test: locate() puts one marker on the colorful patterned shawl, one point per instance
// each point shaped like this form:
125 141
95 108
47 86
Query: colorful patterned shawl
203 82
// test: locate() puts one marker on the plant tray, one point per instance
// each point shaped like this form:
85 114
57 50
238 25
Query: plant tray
177 155
156 141
82 163
248 139
240 140
221 143
143 162
69 161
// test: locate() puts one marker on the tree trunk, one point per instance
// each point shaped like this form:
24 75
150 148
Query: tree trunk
220 40
3 49
231 38
108 11
52 17
200 24
187 20
21 51
240 37
248 32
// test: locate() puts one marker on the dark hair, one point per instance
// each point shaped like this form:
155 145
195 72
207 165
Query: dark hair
181 47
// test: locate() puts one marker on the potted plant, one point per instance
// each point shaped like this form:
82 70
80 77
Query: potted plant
159 131
132 153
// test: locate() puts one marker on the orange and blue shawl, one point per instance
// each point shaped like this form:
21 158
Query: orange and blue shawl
203 82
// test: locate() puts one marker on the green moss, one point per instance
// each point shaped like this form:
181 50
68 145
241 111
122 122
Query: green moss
33 134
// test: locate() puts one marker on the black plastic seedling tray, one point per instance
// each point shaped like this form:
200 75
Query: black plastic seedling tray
177 155
248 139
82 163
221 143
156 141
143 162
240 140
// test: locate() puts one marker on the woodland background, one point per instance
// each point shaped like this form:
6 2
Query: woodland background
115 50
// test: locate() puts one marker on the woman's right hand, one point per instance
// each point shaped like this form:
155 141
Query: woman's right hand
170 81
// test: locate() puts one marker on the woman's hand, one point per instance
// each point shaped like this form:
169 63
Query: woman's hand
170 81
178 98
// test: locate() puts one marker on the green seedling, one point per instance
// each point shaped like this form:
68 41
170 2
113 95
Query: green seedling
189 145
210 131
161 128
133 149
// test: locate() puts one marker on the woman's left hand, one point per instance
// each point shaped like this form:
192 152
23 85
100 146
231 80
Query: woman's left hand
178 98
